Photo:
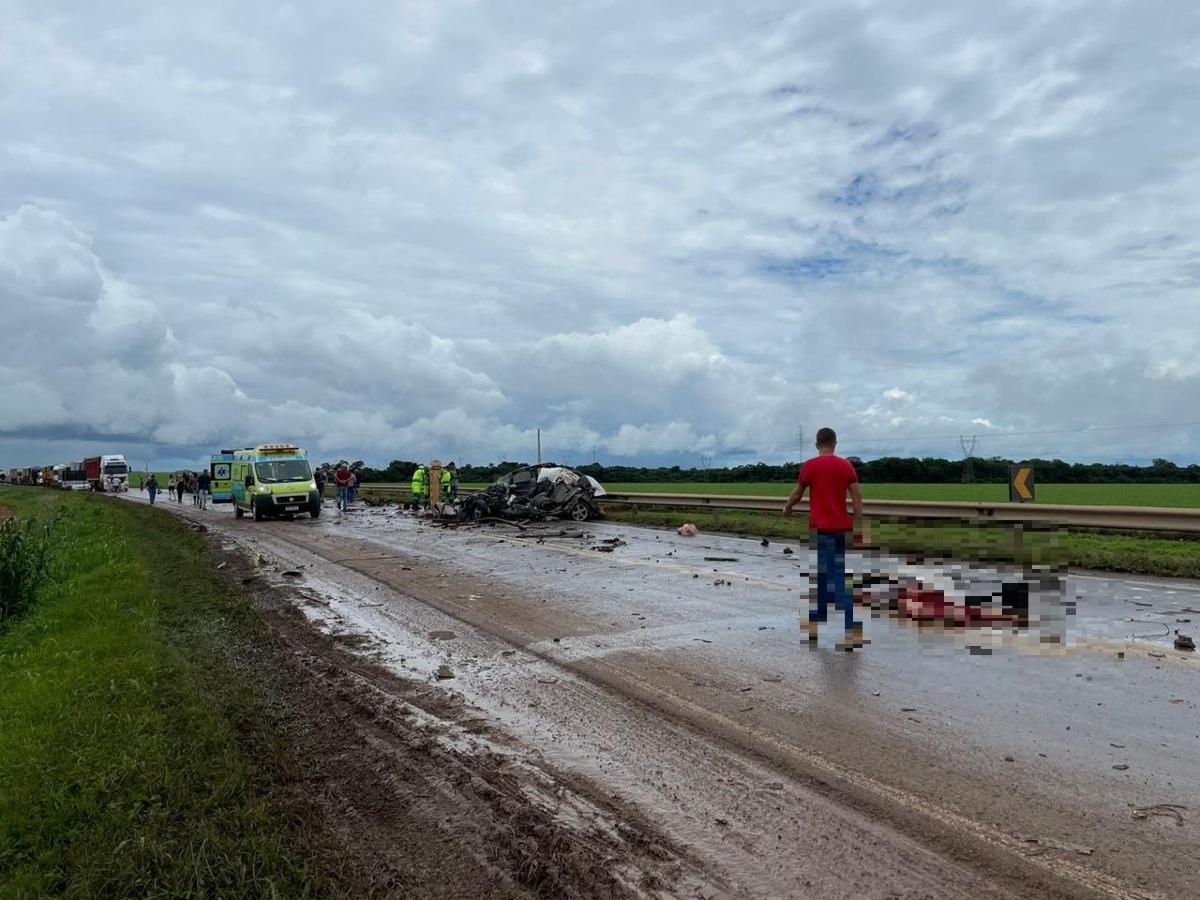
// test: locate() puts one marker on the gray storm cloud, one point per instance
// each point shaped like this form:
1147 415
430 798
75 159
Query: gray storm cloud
657 232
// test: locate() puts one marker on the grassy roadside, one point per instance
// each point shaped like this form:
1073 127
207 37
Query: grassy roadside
1157 556
123 761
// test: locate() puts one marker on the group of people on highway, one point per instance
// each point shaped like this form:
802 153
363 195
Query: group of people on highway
828 478
447 481
200 486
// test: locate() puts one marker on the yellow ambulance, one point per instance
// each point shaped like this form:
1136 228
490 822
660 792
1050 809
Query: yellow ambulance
273 480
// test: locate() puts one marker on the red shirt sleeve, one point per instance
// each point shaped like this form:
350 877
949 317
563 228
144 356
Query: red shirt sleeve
851 474
802 477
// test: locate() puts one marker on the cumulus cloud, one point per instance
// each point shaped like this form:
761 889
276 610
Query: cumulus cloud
654 233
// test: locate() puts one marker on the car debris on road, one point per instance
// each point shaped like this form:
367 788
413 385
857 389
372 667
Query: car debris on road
547 491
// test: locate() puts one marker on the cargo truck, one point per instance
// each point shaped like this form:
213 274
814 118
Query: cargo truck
107 473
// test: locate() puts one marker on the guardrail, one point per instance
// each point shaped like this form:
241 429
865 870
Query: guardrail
1119 518
1123 518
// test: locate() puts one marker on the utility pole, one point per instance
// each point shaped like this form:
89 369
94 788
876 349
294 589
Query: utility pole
967 445
539 446
800 439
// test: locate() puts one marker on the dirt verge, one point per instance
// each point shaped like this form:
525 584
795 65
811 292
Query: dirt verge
400 788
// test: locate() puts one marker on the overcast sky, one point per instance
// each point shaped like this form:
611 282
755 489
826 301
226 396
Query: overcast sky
659 231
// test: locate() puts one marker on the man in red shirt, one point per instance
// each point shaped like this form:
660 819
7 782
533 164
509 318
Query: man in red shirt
341 481
828 477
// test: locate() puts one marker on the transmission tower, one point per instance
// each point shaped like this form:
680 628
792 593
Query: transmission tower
968 446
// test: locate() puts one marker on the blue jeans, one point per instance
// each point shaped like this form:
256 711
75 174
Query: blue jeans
153 491
341 496
831 577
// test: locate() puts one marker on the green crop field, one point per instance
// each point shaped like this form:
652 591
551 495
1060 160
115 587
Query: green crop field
1185 495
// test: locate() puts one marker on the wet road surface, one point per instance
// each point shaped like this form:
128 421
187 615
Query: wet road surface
912 768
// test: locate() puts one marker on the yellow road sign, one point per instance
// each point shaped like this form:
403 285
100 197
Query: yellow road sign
1020 484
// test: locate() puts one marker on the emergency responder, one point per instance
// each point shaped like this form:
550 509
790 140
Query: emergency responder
445 480
453 481
419 479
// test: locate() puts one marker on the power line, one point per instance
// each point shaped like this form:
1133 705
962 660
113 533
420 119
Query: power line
1003 434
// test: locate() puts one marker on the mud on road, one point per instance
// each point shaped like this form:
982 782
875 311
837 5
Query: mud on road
695 771
406 791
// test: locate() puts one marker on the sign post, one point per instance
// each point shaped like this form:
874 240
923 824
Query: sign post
1020 484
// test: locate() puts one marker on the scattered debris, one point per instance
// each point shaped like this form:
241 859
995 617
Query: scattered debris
292 573
765 542
221 565
1121 767
1118 746
1161 809
608 545
702 640
250 578
1009 759
1183 641
1051 844
720 559
908 709
442 636
443 672
688 530
547 681
746 709
788 551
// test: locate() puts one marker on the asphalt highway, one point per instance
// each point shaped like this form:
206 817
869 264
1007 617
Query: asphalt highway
933 762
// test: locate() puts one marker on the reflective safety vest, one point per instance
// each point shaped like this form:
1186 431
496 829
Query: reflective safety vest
445 479
418 481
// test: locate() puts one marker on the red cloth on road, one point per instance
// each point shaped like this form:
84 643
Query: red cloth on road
827 478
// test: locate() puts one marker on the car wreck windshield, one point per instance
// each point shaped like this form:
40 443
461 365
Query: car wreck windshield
283 470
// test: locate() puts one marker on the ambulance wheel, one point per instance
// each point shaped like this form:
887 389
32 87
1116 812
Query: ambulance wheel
237 511
258 513
315 512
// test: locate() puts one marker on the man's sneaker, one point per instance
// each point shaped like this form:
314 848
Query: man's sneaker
853 640
811 628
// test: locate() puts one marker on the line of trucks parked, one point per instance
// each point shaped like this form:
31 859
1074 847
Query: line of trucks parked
109 474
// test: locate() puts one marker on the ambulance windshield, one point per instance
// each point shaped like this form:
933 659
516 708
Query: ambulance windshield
283 470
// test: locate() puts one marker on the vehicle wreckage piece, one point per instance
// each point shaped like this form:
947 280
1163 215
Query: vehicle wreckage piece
537 492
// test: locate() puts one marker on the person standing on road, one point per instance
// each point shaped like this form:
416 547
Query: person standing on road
194 485
419 478
829 477
341 481
445 481
151 487
319 478
203 485
351 487
453 469
180 486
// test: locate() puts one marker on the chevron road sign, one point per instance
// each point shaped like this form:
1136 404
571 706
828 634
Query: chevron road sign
1020 484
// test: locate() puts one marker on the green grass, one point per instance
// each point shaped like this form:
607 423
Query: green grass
124 768
1174 495
1163 557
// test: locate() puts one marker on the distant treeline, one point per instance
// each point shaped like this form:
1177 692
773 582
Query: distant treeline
888 469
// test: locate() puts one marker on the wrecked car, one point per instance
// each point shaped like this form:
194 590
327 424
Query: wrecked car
537 492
